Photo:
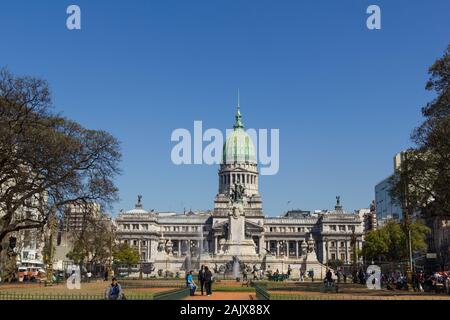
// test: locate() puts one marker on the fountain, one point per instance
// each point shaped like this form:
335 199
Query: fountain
236 268
188 261
200 247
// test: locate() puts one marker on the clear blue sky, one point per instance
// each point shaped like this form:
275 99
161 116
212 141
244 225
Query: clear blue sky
344 98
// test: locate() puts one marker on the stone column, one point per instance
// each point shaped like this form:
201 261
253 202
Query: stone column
139 249
278 247
148 250
296 248
260 244
337 250
216 248
346 251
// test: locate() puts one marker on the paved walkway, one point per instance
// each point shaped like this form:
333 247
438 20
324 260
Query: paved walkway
225 296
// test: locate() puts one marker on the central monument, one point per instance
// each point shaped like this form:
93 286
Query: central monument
234 235
236 243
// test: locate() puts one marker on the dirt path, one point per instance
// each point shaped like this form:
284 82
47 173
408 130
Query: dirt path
225 296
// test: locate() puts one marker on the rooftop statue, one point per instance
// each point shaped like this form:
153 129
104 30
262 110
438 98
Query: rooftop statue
237 193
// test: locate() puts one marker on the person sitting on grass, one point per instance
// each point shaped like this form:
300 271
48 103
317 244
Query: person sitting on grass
114 291
191 283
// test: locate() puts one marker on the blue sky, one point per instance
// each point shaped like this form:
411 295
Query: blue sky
345 98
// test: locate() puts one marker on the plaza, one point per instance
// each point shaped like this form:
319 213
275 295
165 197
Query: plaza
222 290
236 235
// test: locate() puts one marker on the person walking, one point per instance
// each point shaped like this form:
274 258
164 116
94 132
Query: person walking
302 275
201 278
114 291
208 281
329 278
339 275
420 280
244 275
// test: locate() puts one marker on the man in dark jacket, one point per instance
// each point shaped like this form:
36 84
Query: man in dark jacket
201 277
329 277
208 281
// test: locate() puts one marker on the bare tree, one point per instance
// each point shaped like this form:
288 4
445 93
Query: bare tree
47 161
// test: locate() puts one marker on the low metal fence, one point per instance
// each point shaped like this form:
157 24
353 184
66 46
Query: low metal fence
134 284
176 294
46 296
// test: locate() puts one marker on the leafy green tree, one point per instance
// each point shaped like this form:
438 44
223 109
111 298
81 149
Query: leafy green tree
93 242
47 161
389 243
334 264
422 183
125 255
374 245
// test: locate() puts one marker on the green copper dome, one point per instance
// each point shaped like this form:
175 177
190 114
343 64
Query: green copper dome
239 146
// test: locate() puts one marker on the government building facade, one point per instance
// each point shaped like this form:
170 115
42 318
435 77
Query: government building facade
236 230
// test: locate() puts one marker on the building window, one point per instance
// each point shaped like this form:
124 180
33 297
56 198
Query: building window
135 242
144 243
333 228
333 244
342 244
145 226
333 256
342 256
341 228
135 227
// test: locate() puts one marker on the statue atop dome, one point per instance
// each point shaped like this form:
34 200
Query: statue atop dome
139 202
238 124
237 193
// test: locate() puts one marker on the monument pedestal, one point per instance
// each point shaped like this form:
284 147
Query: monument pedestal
244 247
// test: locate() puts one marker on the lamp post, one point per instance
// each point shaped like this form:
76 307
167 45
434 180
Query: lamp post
406 219
354 262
